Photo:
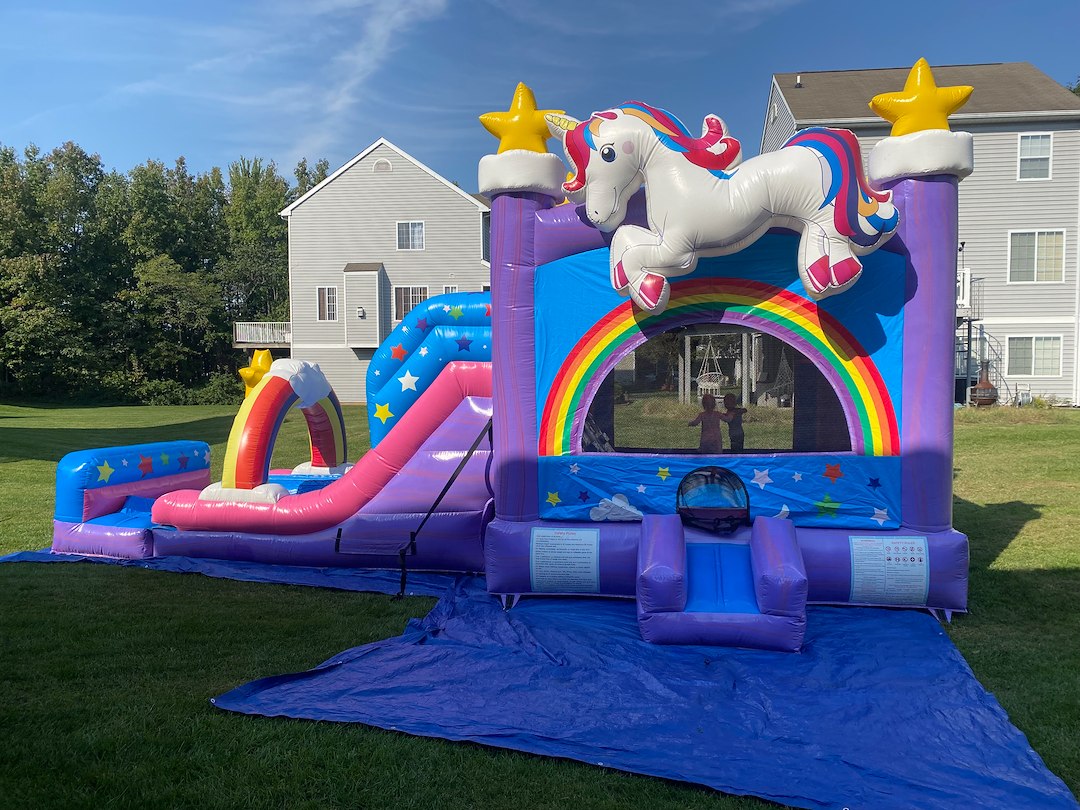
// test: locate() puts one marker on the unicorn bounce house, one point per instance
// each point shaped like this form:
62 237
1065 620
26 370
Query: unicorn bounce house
495 441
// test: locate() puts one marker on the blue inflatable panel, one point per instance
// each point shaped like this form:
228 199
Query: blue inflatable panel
719 578
342 579
879 710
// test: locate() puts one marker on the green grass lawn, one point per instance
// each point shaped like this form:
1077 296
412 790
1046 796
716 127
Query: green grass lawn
105 672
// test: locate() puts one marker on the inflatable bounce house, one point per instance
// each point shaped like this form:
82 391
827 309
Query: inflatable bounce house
496 441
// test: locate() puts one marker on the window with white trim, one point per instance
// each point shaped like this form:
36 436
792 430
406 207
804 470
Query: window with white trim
327 303
410 236
1036 256
1035 356
1034 163
406 299
485 236
449 288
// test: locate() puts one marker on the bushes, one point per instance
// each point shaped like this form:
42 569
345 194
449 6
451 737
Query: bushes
136 388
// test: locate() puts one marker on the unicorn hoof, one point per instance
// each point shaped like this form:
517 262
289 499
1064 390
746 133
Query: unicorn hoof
845 271
652 292
818 275
618 277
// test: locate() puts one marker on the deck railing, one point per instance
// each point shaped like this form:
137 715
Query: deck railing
263 333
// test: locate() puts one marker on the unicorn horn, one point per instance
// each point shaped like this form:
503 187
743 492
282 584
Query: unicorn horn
560 124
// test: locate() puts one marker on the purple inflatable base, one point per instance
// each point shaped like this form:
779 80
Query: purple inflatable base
92 539
826 555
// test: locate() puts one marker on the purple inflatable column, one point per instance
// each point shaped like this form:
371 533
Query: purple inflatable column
513 225
928 231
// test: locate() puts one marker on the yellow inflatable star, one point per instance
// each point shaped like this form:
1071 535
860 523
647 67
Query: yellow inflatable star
382 412
522 126
921 104
251 375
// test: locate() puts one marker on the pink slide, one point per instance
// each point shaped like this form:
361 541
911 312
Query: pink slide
332 505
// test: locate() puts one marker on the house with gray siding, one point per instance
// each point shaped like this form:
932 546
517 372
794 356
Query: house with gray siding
1018 272
367 244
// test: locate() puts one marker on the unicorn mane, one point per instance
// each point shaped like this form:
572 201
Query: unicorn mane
714 151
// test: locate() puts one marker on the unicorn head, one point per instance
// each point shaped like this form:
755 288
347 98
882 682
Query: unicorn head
605 156
609 151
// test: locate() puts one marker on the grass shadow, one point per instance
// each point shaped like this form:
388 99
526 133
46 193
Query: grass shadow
52 443
992 527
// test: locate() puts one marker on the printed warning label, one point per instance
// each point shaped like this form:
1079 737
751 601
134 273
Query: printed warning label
565 560
889 570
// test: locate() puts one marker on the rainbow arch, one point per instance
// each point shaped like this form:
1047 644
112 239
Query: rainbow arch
255 428
864 397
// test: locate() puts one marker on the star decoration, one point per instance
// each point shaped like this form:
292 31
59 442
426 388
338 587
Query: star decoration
446 308
827 506
146 465
164 460
796 476
378 373
487 310
398 352
921 104
182 461
463 344
575 469
408 381
663 473
261 360
422 324
423 351
874 483
456 312
522 126
880 515
382 412
583 496
641 488
124 461
761 478
832 472
783 513
104 471
553 498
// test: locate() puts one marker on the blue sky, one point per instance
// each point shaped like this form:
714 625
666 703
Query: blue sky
324 78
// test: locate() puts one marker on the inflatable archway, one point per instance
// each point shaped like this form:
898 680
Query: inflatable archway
819 336
255 428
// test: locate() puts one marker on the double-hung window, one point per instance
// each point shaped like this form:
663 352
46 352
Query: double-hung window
1035 356
1034 161
327 303
406 299
410 236
1036 256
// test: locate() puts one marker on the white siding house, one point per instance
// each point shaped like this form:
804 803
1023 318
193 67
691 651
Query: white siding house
368 243
1019 211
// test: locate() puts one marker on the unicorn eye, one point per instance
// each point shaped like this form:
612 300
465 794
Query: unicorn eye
608 153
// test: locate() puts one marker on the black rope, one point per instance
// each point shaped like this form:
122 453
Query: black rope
457 472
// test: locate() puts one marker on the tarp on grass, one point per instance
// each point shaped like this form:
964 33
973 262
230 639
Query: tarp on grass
344 579
880 710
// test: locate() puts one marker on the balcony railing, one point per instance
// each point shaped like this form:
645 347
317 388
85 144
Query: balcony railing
262 333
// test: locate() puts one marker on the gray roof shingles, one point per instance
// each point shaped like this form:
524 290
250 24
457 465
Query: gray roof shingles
1003 87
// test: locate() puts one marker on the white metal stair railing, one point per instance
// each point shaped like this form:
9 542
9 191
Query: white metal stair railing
986 347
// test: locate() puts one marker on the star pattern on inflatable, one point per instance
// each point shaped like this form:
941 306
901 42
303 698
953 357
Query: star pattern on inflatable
382 412
146 465
880 515
408 381
833 472
663 473
921 105
104 471
456 312
398 352
761 478
553 498
827 507
522 126
252 375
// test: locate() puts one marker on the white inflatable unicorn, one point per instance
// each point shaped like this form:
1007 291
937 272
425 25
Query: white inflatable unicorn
703 201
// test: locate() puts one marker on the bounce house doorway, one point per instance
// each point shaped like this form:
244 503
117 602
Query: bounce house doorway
658 396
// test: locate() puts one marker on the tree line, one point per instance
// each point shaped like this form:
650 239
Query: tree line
123 287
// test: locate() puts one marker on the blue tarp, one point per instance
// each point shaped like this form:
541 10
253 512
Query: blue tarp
879 710
344 579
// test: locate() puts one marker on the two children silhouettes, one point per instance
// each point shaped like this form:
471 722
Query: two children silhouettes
712 441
